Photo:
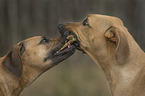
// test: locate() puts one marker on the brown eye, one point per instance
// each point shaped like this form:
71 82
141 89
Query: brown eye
85 22
44 40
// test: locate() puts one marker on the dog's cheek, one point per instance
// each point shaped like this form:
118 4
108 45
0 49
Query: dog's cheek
83 39
29 59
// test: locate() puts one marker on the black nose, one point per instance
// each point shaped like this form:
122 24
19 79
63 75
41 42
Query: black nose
60 27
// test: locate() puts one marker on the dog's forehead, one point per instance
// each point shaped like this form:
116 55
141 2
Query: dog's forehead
104 19
32 40
101 17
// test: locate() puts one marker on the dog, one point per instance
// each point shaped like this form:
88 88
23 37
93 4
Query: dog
27 60
107 41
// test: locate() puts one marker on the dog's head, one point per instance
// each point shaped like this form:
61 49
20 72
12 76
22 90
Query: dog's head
36 52
100 35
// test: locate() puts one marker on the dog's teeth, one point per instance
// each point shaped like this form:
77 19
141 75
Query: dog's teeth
70 37
68 46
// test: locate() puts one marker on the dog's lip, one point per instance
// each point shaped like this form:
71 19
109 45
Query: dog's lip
67 33
65 51
76 43
69 48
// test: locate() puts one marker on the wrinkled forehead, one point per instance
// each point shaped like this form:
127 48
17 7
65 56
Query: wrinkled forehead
104 20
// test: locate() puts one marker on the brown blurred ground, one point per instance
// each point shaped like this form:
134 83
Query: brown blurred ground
78 75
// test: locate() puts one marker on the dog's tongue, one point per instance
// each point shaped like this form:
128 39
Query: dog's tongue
70 39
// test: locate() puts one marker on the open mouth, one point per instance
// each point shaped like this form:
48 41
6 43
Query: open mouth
70 43
71 40
64 49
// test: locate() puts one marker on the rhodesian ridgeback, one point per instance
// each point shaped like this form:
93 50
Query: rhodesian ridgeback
107 41
28 60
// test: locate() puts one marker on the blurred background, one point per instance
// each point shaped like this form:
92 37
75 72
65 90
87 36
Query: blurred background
78 75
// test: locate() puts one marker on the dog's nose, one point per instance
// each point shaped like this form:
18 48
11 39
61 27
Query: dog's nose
60 27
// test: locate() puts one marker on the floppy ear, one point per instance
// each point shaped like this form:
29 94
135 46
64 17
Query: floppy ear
12 62
117 36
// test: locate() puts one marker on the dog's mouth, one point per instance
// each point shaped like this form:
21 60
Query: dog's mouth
70 42
64 49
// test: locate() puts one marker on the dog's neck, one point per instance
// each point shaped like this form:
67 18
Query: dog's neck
13 86
123 78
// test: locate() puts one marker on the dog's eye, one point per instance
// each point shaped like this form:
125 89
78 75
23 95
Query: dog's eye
22 48
85 22
44 40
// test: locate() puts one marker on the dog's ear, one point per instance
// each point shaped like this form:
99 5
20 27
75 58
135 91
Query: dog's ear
12 62
117 36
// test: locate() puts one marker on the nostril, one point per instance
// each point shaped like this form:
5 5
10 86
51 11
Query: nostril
60 26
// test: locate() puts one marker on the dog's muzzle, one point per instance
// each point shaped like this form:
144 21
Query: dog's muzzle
61 27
